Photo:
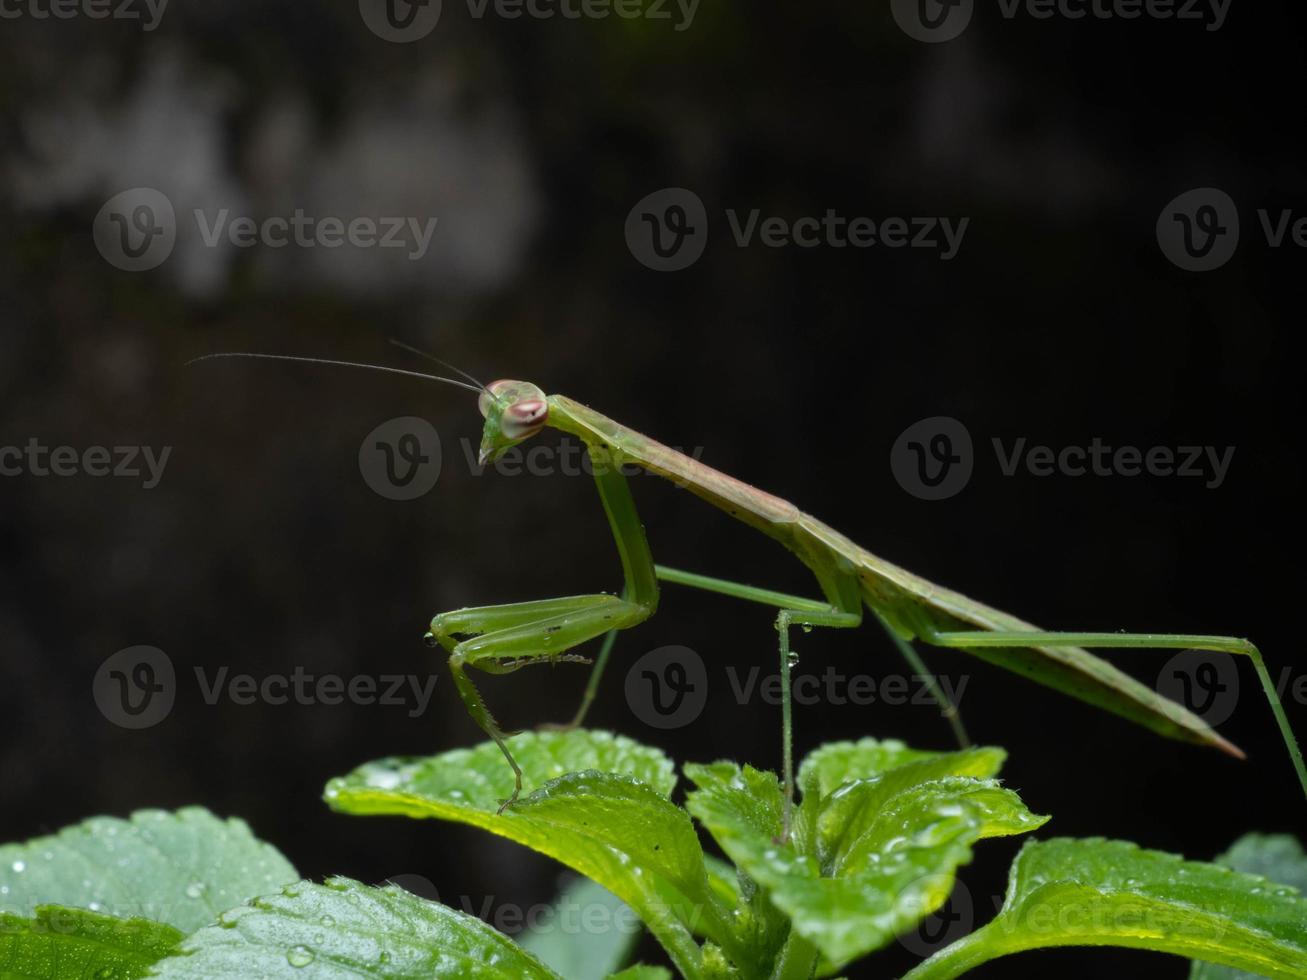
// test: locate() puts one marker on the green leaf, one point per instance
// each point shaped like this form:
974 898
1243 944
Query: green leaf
588 934
611 821
1111 893
866 860
1278 857
179 868
61 943
346 929
642 972
829 767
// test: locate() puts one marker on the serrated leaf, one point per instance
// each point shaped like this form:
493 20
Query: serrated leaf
589 933
179 868
830 766
1277 857
62 943
612 821
347 929
870 858
1111 893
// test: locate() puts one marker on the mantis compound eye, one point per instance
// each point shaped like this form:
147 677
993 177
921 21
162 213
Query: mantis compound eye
524 418
495 389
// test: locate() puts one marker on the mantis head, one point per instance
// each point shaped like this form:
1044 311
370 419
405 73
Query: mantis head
514 411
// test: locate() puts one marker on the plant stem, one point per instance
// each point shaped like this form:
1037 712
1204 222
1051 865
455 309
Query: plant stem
959 957
797 960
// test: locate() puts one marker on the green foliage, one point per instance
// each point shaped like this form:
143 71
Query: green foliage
61 943
1274 857
345 929
1099 892
179 868
875 845
588 934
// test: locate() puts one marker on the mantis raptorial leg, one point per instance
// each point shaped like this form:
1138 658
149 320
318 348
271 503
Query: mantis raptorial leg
498 639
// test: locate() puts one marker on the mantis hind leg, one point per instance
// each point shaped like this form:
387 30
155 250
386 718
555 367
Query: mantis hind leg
1140 641
794 611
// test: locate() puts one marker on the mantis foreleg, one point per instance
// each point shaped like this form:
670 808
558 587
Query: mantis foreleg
499 639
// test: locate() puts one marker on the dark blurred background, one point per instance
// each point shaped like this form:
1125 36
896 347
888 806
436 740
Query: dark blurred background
263 548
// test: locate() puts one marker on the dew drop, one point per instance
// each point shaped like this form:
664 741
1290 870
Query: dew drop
19 867
327 920
299 956
196 889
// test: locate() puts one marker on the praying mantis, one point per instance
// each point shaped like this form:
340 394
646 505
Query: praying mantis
500 639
